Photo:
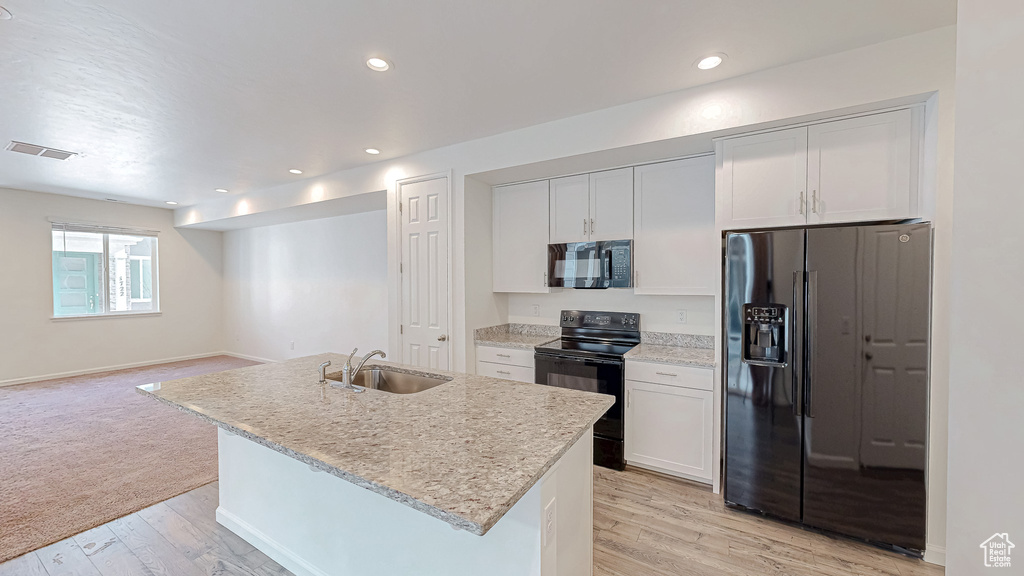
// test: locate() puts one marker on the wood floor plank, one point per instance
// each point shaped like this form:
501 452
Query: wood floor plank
24 565
644 524
66 558
109 555
152 549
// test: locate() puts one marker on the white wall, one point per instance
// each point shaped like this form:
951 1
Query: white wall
986 392
321 284
657 313
32 345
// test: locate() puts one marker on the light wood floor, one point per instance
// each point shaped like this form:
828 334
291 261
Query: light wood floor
644 524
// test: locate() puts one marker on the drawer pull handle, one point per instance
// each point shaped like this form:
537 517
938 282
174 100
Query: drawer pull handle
502 355
666 374
503 372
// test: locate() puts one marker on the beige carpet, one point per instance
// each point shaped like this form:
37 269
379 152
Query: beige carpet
78 452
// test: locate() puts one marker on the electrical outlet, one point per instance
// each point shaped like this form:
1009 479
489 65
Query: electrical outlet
550 518
681 316
536 310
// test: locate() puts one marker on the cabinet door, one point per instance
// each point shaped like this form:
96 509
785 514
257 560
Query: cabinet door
570 209
863 168
675 250
669 429
504 371
763 180
611 205
520 237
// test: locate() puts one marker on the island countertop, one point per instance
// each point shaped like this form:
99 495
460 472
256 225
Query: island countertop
464 452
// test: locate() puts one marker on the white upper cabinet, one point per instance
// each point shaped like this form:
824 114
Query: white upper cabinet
520 237
570 209
862 168
675 249
611 205
763 180
856 169
592 207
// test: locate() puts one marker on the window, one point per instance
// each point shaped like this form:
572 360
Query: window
103 271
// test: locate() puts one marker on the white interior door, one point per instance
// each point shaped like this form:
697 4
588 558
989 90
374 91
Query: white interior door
895 291
424 270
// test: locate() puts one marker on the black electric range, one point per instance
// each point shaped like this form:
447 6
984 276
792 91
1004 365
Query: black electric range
589 356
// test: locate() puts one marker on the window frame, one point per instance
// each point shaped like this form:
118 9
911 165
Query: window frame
61 225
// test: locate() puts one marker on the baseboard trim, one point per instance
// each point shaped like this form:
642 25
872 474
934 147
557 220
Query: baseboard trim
935 555
248 357
42 377
267 545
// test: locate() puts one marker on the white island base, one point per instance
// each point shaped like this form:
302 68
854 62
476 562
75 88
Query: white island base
313 523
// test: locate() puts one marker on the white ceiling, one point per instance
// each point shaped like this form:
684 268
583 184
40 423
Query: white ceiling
169 100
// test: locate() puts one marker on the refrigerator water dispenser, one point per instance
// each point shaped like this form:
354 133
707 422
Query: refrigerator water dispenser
764 334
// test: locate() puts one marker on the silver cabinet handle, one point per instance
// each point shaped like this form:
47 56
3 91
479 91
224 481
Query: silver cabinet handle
666 374
503 372
803 204
814 201
591 225
584 226
442 337
502 355
545 279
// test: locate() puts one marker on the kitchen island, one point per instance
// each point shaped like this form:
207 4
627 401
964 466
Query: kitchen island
477 475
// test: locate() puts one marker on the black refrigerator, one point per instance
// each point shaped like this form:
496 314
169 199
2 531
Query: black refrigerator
827 346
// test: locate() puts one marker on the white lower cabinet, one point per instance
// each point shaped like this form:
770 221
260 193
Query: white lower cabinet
506 363
670 428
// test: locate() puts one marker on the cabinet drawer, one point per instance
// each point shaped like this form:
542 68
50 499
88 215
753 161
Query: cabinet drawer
682 376
517 373
512 357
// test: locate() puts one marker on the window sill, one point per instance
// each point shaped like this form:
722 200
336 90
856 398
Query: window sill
105 316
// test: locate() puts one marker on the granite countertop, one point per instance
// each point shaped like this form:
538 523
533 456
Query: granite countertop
519 336
464 452
676 355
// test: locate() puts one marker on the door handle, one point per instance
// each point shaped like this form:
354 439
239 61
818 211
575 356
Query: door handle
812 331
798 284
442 337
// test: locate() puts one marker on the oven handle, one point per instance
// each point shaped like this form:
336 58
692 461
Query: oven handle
576 359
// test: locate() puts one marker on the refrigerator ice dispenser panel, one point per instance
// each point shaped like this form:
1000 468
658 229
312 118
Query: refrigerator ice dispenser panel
764 334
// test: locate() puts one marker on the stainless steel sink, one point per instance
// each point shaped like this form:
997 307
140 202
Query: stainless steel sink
395 382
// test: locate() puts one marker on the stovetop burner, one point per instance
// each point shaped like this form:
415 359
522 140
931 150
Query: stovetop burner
595 334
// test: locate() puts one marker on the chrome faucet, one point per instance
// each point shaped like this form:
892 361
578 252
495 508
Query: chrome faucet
323 372
348 373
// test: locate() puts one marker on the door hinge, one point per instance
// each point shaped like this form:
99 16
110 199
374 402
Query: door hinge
399 206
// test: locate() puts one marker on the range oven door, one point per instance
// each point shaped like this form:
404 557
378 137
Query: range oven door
591 375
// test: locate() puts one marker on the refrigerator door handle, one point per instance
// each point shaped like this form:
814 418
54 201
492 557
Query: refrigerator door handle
812 331
798 284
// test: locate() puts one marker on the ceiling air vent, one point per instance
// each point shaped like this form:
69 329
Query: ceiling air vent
34 150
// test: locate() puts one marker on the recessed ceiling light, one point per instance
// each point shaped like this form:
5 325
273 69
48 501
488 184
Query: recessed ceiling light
295 171
378 64
171 202
5 14
709 62
372 151
221 190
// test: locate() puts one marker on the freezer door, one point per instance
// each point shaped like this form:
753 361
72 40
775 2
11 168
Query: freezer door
866 392
764 277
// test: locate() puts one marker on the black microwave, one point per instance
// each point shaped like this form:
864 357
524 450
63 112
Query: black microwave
604 264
